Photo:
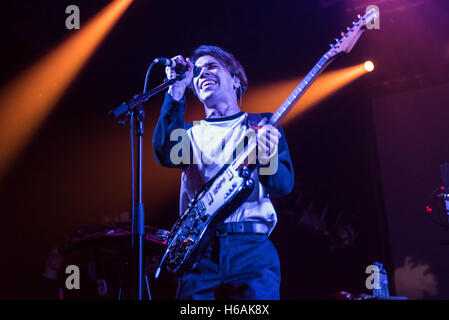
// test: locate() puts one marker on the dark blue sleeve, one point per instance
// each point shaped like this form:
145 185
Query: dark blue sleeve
281 183
171 118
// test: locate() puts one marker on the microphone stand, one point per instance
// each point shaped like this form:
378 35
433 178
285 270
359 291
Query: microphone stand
134 111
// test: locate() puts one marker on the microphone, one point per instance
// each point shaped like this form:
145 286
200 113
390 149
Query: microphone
179 68
444 196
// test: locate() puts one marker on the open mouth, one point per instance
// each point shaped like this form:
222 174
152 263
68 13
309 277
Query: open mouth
208 83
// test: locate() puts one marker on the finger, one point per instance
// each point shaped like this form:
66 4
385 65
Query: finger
273 150
190 65
263 135
274 139
270 147
262 149
271 137
180 60
270 131
268 127
171 74
267 150
269 143
262 122
264 142
274 135
168 72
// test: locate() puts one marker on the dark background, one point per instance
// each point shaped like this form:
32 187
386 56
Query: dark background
75 171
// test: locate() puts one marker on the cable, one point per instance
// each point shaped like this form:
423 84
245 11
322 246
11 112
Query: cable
148 76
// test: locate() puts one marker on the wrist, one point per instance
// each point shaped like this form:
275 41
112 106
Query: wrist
176 92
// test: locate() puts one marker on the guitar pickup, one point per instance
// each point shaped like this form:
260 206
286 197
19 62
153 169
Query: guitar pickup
210 199
201 207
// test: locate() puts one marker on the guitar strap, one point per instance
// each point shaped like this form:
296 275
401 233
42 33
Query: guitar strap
253 120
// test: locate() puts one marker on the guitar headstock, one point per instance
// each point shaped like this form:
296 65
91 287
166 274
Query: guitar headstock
348 39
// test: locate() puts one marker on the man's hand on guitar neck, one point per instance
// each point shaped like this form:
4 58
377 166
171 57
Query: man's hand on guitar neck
267 141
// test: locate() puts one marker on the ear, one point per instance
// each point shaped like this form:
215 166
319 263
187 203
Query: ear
236 84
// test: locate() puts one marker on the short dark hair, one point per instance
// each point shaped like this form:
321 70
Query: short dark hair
229 62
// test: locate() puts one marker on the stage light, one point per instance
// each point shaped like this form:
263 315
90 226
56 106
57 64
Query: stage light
270 97
28 99
369 66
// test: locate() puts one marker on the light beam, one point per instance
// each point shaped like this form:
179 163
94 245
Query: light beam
29 98
267 98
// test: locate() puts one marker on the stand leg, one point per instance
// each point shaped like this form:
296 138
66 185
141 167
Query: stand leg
148 287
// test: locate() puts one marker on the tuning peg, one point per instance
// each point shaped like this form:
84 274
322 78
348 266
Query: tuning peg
359 16
331 45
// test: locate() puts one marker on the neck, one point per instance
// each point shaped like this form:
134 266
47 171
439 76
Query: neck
222 109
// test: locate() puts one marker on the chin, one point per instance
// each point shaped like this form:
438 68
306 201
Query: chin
206 96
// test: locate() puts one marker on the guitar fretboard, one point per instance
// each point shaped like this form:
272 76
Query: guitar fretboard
248 154
291 100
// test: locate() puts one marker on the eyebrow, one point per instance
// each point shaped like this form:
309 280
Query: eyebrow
208 64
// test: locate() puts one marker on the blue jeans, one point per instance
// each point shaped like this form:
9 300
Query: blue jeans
234 266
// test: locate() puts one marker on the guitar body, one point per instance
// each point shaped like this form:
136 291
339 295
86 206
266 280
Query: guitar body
192 233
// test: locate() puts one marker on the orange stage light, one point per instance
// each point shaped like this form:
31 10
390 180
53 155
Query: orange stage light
268 98
27 100
369 66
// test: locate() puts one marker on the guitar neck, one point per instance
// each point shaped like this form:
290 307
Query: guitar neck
249 154
282 111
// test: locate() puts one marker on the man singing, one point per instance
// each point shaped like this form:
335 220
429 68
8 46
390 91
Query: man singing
240 262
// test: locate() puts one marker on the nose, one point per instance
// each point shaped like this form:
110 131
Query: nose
203 71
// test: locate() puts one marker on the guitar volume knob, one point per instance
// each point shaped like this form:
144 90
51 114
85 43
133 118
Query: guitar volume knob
244 172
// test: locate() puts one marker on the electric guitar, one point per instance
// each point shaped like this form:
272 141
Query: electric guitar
231 186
